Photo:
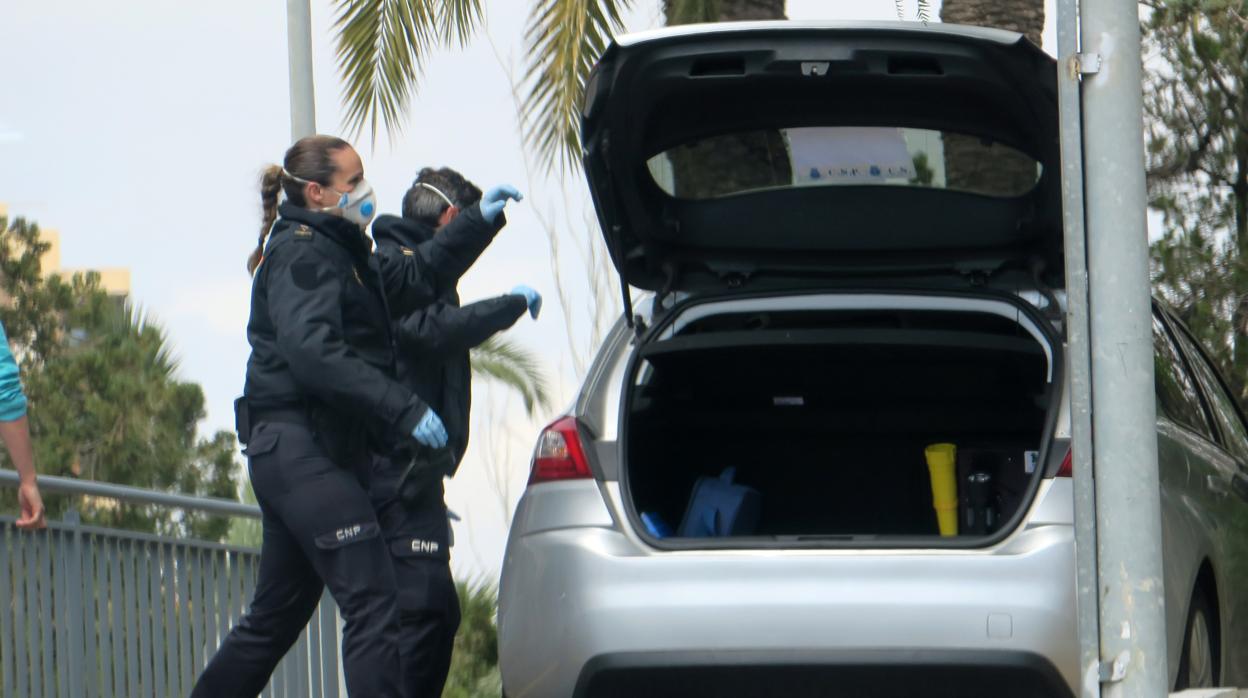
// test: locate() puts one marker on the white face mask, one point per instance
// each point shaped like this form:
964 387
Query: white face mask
359 205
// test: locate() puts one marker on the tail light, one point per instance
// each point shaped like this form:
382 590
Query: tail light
559 455
1067 468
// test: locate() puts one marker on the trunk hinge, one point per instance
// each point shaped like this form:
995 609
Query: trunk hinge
670 273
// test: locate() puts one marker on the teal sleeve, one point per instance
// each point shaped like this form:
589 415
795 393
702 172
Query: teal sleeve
12 399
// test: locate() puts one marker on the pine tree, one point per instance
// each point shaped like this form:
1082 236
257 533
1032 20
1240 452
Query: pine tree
105 399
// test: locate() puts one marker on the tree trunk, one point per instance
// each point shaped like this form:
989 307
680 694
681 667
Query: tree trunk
744 10
1023 16
691 11
969 166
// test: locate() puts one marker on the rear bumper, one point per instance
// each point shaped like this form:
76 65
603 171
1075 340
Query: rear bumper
929 673
585 609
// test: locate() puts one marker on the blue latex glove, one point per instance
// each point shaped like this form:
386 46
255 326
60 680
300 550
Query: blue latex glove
494 200
531 297
430 431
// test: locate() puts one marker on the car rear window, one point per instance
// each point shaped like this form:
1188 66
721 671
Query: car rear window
736 163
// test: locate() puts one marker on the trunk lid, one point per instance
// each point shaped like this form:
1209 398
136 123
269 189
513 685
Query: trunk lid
781 154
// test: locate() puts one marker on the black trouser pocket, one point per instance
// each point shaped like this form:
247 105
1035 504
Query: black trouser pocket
425 584
419 546
263 441
420 533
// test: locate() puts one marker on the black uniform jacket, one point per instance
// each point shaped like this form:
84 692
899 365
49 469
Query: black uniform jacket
433 358
320 327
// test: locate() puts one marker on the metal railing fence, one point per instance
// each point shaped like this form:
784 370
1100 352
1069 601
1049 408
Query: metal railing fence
88 611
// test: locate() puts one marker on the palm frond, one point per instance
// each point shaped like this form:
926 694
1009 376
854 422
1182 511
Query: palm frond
514 367
459 18
565 39
925 11
381 49
478 634
128 322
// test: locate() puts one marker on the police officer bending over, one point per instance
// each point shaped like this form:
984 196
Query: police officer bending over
320 394
433 362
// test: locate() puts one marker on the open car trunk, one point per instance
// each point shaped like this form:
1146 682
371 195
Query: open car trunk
827 415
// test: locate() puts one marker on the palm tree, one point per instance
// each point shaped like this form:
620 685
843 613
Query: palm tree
382 45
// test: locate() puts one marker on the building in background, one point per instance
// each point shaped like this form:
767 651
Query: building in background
115 281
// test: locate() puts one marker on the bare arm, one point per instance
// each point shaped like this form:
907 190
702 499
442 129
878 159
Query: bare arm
15 432
16 437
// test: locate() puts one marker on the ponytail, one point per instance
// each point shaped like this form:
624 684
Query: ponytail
270 186
308 160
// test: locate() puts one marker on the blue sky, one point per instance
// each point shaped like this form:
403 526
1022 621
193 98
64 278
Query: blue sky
138 129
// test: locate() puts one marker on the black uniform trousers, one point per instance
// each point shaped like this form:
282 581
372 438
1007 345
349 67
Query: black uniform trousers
320 530
418 537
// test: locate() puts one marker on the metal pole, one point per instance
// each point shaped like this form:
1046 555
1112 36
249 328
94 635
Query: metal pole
1077 345
299 41
1128 502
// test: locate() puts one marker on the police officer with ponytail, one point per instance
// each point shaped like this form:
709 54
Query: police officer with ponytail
320 394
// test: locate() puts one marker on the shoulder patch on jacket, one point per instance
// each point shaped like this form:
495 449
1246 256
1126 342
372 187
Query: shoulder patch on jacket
407 251
305 274
303 232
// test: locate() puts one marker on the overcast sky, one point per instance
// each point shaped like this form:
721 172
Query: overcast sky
138 129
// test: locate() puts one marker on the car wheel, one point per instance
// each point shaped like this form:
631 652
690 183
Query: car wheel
1198 664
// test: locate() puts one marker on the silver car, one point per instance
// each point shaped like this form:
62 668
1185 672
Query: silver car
826 451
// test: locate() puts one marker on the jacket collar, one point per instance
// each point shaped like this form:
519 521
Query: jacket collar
336 228
403 232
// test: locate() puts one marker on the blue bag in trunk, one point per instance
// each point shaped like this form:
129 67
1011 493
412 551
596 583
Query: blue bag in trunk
720 507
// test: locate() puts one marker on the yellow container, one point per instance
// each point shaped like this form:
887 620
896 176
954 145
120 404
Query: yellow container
941 465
